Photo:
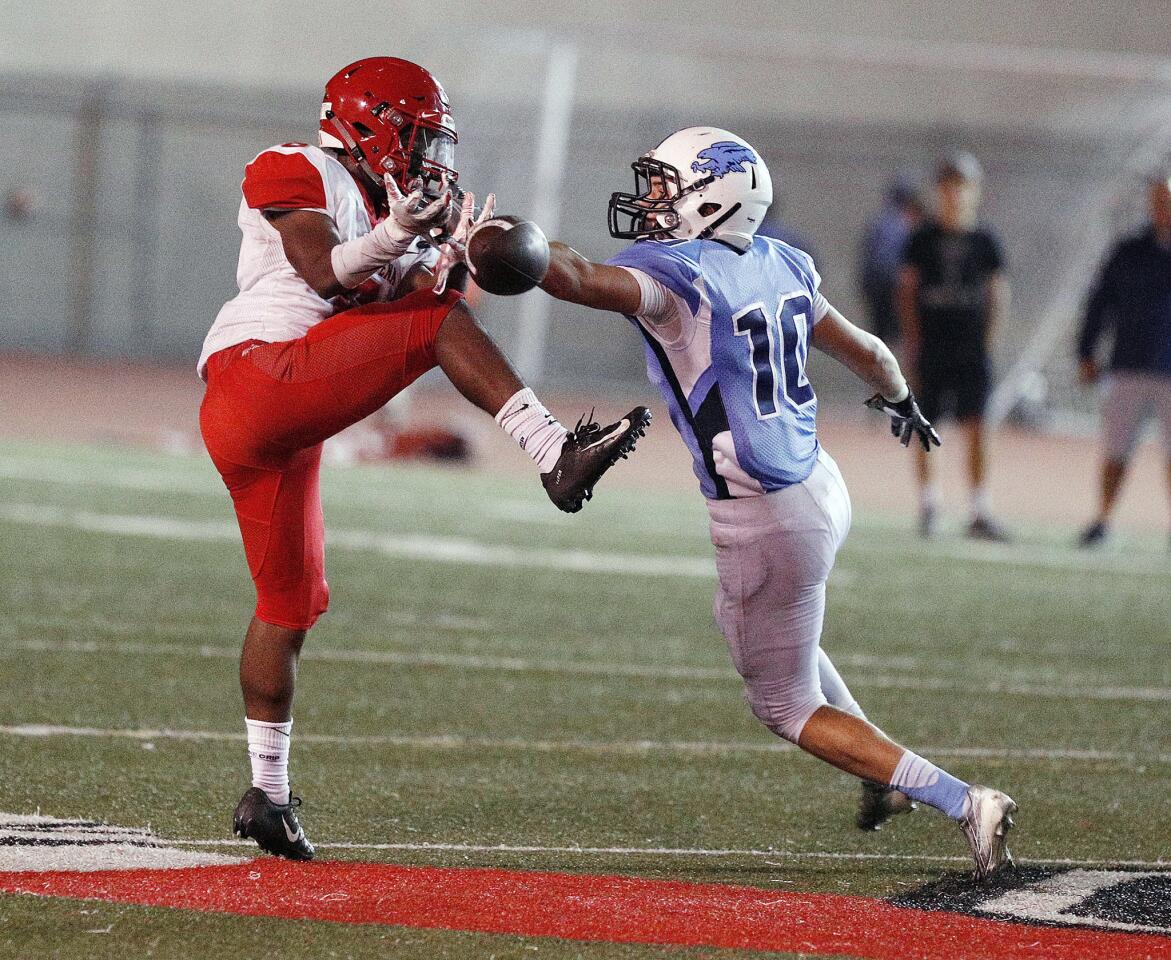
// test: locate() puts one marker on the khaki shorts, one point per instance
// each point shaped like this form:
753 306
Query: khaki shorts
1131 398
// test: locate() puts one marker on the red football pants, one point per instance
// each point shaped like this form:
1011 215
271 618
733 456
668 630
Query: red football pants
268 409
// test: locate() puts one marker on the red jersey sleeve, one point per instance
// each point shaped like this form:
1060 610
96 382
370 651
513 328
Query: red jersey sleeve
283 181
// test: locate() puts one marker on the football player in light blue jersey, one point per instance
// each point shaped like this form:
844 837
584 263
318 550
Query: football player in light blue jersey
728 318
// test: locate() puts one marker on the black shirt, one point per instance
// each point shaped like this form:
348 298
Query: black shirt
1133 295
954 269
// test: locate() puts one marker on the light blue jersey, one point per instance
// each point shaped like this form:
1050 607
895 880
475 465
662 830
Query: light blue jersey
729 358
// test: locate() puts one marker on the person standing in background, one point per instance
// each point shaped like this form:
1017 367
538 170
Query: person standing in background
881 255
952 294
1132 297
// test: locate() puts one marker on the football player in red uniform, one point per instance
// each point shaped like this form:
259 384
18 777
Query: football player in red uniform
347 295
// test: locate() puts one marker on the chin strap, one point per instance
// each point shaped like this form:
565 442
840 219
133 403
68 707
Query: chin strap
352 148
710 230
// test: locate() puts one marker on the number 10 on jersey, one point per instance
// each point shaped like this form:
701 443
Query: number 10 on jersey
777 351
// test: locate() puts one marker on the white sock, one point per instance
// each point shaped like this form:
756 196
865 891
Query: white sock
524 418
929 497
268 751
980 503
922 780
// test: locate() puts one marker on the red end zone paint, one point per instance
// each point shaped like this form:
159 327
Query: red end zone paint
582 907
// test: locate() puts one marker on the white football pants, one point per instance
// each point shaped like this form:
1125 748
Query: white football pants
773 555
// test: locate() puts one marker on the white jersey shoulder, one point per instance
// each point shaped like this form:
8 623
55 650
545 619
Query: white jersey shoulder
274 303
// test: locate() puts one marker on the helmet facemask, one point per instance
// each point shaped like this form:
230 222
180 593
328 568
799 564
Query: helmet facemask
407 153
651 211
427 155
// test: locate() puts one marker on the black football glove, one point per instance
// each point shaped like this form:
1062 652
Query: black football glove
906 420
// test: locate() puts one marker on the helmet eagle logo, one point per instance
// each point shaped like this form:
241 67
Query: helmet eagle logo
722 158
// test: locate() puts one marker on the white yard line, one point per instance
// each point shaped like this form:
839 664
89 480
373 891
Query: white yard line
459 661
21 622
603 747
910 681
457 550
770 855
430 547
122 844
529 512
117 478
1027 555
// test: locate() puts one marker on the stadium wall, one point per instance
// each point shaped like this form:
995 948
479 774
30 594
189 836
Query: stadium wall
128 126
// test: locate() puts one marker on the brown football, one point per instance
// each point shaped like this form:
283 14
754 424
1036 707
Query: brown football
507 255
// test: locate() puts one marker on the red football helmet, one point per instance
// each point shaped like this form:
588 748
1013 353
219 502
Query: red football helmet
391 116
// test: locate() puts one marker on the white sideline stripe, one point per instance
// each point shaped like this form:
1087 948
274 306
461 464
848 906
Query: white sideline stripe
462 661
535 512
117 478
45 843
1006 555
648 671
628 747
1024 555
688 852
21 622
440 549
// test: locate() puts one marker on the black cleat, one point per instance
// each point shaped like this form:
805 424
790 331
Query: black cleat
1096 534
879 803
986 529
273 826
589 451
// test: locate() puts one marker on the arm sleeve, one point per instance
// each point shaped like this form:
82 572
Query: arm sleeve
674 271
1099 310
820 306
284 181
813 281
659 306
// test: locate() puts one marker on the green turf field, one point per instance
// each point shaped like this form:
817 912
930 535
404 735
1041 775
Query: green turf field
492 673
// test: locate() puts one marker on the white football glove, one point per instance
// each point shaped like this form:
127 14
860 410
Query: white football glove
355 260
412 213
454 249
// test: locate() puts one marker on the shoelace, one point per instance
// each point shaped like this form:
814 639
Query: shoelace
587 427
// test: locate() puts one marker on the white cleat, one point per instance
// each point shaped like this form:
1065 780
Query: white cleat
986 825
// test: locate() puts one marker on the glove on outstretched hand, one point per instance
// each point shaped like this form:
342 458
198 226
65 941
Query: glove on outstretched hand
411 213
454 249
906 420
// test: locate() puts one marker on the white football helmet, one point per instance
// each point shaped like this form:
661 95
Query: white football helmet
701 182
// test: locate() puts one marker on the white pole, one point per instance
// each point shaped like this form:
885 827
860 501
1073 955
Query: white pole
552 145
